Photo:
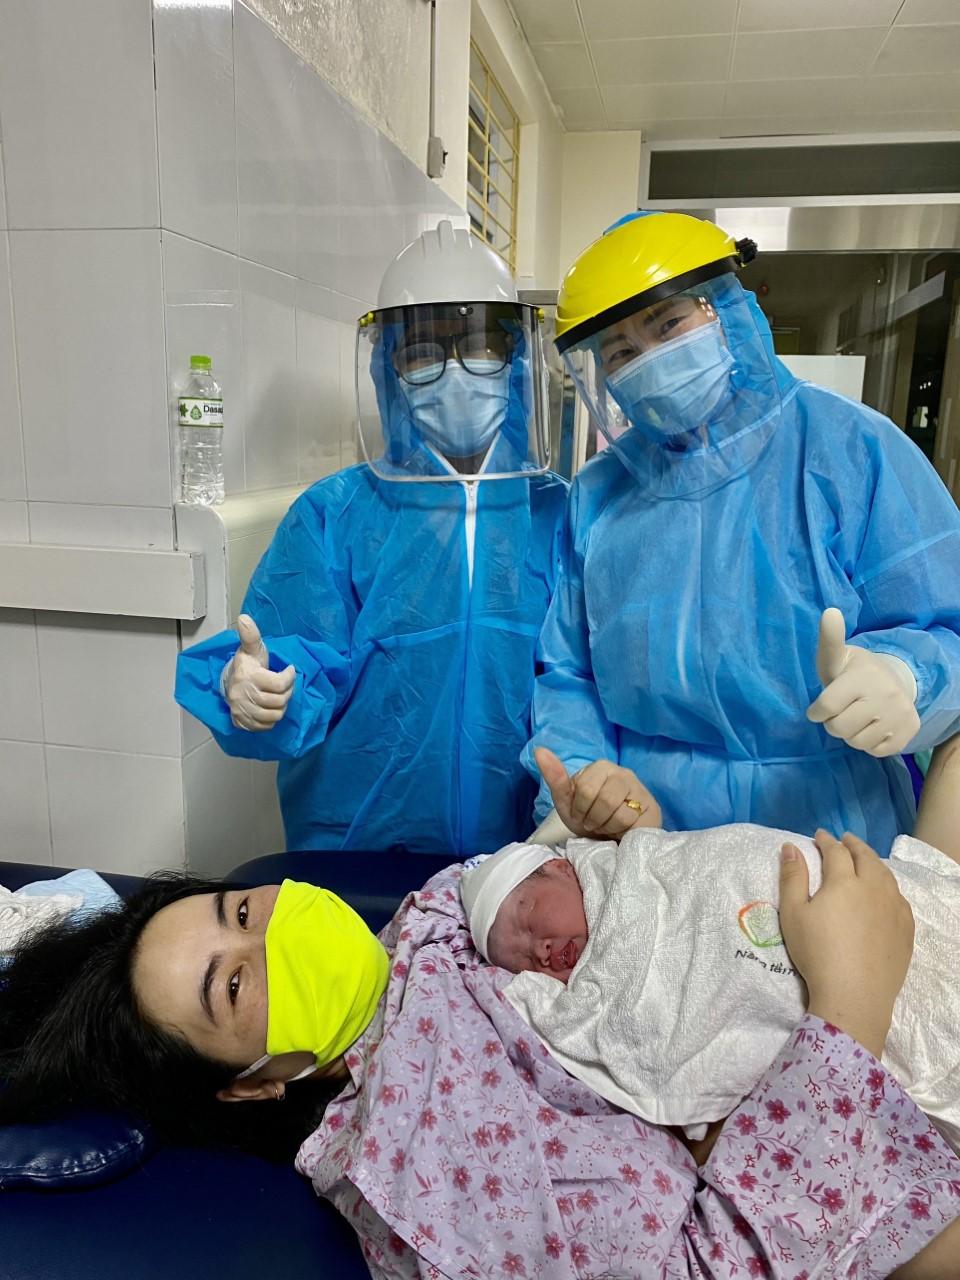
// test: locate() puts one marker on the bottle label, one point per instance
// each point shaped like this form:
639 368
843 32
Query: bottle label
200 413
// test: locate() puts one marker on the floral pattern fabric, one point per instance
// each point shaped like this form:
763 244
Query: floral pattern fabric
461 1148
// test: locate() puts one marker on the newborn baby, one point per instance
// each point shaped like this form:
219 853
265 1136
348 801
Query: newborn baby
525 908
654 971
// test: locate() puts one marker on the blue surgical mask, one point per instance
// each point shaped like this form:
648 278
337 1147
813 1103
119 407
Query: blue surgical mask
460 413
675 388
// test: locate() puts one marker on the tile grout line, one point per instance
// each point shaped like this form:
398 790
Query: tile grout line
242 389
72 746
593 66
26 492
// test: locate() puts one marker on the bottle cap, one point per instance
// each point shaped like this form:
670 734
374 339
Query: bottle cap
200 362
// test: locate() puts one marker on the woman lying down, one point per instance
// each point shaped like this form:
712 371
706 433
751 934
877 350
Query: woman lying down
655 970
455 1143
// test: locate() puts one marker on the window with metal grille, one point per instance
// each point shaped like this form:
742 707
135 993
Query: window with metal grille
493 154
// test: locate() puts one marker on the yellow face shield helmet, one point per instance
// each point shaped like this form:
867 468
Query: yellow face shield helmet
665 351
326 973
639 261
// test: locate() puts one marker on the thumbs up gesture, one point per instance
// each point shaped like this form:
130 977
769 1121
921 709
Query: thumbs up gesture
603 800
868 698
257 696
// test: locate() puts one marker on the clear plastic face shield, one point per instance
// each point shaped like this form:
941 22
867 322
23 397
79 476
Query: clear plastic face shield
684 388
452 391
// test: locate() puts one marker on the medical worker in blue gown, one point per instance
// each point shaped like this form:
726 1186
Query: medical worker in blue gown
694 638
387 656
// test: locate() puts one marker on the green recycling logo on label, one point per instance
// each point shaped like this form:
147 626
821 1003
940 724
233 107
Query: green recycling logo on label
194 412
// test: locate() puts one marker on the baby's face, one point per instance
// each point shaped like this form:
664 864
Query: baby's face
541 925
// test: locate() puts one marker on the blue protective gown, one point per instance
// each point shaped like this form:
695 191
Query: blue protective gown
682 638
412 698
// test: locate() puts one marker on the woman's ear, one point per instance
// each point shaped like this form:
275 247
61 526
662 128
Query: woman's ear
251 1091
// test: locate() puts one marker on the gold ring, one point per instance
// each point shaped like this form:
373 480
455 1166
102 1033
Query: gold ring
277 1089
636 806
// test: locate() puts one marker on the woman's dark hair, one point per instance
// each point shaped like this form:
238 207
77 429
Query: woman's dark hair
73 1035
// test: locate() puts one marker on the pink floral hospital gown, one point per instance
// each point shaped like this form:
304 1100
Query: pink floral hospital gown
462 1149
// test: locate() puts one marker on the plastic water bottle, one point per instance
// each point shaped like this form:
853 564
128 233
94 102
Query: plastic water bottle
200 413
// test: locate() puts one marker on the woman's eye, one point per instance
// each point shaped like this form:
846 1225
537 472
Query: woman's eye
233 987
670 323
243 913
618 357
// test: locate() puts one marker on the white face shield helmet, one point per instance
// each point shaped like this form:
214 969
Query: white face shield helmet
450 375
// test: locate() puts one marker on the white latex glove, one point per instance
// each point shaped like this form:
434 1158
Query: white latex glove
868 698
256 695
552 830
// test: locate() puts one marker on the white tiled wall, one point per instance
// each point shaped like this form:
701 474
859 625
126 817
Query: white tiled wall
222 833
77 113
20 676
377 53
349 444
74 524
269 347
197 138
268 266
106 683
202 314
13 522
89 333
23 802
173 180
318 384
269 143
12 480
115 811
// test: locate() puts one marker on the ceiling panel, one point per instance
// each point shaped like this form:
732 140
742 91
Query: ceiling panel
632 18
892 122
813 15
548 23
910 93
662 101
565 66
767 66
580 108
667 60
920 50
780 55
793 97
930 11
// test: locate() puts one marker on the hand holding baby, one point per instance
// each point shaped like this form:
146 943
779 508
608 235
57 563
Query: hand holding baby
852 940
602 801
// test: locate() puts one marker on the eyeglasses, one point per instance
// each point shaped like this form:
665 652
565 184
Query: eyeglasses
480 352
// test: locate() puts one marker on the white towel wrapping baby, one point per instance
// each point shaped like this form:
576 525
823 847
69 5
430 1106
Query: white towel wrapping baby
685 993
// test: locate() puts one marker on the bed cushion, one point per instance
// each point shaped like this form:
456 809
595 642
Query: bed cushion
80 1150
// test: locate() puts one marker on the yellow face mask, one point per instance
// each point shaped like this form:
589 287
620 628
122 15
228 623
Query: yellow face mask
326 973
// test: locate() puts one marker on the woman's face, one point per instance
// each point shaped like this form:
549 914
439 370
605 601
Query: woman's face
652 327
200 971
